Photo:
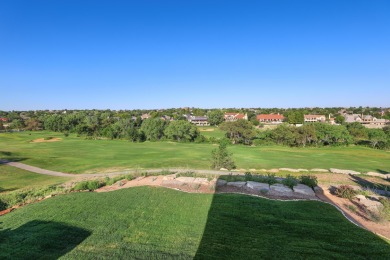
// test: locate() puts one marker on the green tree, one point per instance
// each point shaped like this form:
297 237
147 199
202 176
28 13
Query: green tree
240 131
181 131
215 117
339 119
33 124
221 158
153 128
284 134
332 134
295 117
306 134
17 124
357 131
376 136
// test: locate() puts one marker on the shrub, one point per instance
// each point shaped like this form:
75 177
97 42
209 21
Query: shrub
25 196
263 191
290 181
271 179
88 185
3 205
345 191
248 176
309 180
386 208
129 177
48 138
352 208
366 192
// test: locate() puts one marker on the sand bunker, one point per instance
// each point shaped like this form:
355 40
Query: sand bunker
43 140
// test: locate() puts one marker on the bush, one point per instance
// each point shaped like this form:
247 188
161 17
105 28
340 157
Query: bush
248 176
309 180
345 191
271 179
26 196
290 182
88 185
385 212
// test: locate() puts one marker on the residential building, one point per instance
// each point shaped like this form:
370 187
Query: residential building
145 116
199 120
352 118
314 118
231 117
270 118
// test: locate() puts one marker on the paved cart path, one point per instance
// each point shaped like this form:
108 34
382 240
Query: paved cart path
62 174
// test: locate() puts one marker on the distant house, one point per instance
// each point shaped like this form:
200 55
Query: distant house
270 118
199 120
366 120
314 118
231 117
352 118
166 118
3 119
145 116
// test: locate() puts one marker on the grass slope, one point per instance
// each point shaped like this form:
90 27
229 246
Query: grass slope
77 155
157 223
12 178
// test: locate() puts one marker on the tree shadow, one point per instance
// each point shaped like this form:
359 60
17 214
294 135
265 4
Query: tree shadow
11 157
40 240
247 227
6 190
382 171
378 188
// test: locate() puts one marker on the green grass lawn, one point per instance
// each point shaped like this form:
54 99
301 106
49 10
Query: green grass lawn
211 131
159 223
77 155
12 178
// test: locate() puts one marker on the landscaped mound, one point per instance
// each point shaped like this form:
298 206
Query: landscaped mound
155 223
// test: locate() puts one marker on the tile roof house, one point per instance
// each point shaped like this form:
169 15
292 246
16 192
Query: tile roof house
231 117
314 118
270 118
3 119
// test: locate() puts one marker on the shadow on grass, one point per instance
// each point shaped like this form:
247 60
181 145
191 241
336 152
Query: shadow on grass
6 190
382 171
378 188
40 240
10 157
246 227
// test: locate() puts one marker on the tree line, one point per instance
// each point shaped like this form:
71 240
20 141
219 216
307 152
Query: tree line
312 134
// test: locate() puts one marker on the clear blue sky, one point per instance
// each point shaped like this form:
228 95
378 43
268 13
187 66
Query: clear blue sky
160 54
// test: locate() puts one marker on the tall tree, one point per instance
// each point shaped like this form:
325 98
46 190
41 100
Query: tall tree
240 131
153 128
181 131
215 117
376 137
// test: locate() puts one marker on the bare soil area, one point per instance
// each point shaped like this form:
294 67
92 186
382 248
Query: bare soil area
358 216
43 140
